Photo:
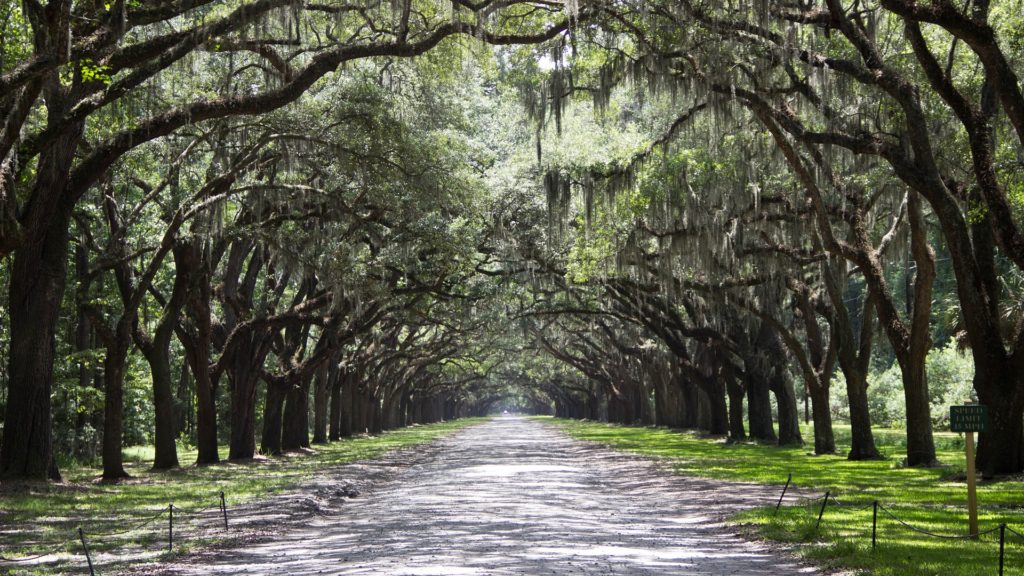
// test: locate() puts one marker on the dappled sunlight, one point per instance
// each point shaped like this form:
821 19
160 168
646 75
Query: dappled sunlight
516 497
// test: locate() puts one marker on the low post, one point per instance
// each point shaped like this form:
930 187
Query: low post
1002 546
170 527
972 489
81 536
874 525
822 511
970 418
224 509
783 495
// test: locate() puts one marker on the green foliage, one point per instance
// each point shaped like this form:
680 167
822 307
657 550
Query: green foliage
950 382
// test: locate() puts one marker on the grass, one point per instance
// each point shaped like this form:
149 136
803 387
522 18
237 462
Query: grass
931 499
34 516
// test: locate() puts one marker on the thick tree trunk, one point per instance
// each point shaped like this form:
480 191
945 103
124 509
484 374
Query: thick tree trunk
759 406
36 288
196 343
1001 447
271 441
824 440
789 412
691 403
321 401
719 412
766 360
38 276
862 443
920 444
337 404
735 391
295 433
243 411
158 356
113 404
346 424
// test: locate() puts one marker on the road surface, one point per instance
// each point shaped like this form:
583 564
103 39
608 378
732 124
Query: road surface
516 496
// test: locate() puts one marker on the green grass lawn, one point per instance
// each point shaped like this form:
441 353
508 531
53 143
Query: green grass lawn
33 516
930 499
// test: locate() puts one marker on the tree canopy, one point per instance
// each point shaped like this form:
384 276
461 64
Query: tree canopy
277 222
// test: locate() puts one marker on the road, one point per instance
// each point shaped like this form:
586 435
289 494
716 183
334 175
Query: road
516 496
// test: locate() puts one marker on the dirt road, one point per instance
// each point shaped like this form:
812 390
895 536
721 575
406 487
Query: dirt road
515 496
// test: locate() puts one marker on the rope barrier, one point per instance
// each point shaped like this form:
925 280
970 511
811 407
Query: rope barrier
49 552
1014 532
934 534
187 512
220 505
852 507
129 530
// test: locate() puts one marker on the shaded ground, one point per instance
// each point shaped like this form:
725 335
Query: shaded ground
513 496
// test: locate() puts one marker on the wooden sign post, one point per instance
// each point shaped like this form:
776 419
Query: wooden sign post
970 418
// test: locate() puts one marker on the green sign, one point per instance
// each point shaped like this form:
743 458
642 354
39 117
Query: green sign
969 418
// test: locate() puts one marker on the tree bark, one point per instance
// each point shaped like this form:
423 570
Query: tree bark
197 343
295 432
736 393
273 419
821 414
36 288
321 401
789 412
113 403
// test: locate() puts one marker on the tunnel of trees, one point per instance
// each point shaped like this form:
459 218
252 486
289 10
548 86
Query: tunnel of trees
268 224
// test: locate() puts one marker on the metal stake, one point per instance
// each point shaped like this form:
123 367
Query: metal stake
874 525
224 509
822 511
170 528
783 495
1002 546
81 536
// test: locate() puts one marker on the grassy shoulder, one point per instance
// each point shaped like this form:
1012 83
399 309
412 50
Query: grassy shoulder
929 499
34 516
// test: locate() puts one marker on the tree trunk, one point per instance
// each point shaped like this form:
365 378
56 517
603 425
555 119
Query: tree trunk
243 413
920 444
691 403
719 412
789 413
1001 447
83 343
165 426
113 404
197 342
35 292
336 405
321 400
347 413
295 434
862 442
766 360
824 440
273 419
735 391
759 405
38 276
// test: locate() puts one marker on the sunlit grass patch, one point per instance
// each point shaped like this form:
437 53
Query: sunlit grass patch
925 499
